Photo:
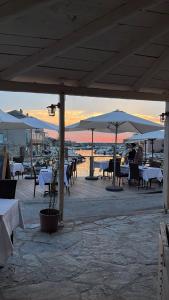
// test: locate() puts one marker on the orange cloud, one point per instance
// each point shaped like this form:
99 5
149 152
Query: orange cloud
155 119
71 116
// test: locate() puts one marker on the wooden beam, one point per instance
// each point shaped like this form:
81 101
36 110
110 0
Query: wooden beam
97 27
141 82
16 8
130 48
13 86
61 155
166 161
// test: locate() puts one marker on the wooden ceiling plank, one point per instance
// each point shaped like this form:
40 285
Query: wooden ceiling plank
94 28
141 82
130 49
15 8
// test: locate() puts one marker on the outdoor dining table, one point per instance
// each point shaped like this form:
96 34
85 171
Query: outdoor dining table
146 173
10 218
46 175
16 167
102 165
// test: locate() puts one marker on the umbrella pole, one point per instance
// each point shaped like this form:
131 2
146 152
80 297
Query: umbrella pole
113 187
31 176
145 150
152 149
91 172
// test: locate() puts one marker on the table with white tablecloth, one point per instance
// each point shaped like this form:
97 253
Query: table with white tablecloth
146 173
16 167
102 165
46 175
10 218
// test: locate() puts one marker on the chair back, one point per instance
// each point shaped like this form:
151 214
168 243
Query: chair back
155 164
69 172
35 176
7 188
134 171
18 159
111 165
118 171
74 164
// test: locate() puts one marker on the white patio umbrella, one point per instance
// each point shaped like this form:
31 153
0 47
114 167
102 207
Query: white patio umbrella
8 122
39 124
152 136
36 123
118 122
158 135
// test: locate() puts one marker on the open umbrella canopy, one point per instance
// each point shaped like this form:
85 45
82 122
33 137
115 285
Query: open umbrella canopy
39 124
124 121
8 122
153 135
80 126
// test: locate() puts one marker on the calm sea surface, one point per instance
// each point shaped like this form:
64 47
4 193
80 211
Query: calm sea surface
83 168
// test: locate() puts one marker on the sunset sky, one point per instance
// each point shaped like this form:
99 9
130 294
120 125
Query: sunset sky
79 108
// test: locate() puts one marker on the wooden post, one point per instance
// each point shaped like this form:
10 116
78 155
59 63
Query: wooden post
31 150
166 161
145 150
91 157
61 154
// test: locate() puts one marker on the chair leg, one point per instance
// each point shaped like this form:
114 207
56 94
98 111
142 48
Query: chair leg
12 235
68 190
150 182
34 190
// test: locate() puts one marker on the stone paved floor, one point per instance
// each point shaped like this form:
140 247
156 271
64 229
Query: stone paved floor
112 258
108 248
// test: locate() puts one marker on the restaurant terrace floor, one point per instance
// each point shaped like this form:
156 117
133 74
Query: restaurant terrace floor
107 249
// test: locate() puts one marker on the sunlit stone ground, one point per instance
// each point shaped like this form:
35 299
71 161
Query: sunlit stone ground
108 248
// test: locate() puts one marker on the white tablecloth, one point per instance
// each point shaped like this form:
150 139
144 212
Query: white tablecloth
45 176
16 167
10 218
150 173
146 173
102 165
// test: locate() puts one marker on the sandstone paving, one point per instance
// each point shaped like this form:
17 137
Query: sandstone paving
107 258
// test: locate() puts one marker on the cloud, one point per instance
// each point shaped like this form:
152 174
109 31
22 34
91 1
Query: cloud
71 116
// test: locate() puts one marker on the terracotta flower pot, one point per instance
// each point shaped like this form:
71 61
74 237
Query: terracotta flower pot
49 218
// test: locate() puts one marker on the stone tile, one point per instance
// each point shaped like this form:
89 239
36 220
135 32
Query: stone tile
111 258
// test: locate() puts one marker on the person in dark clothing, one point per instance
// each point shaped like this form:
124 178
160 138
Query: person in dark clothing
132 153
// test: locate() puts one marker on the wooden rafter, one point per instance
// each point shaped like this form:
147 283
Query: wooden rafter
141 82
14 86
131 48
94 28
15 8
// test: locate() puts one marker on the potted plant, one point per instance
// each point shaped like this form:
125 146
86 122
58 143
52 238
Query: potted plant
49 217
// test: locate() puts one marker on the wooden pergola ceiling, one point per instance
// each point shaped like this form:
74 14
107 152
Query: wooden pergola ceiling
103 48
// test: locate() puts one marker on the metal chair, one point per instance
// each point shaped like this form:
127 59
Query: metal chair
36 182
155 164
74 162
135 174
119 174
7 188
110 169
18 159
